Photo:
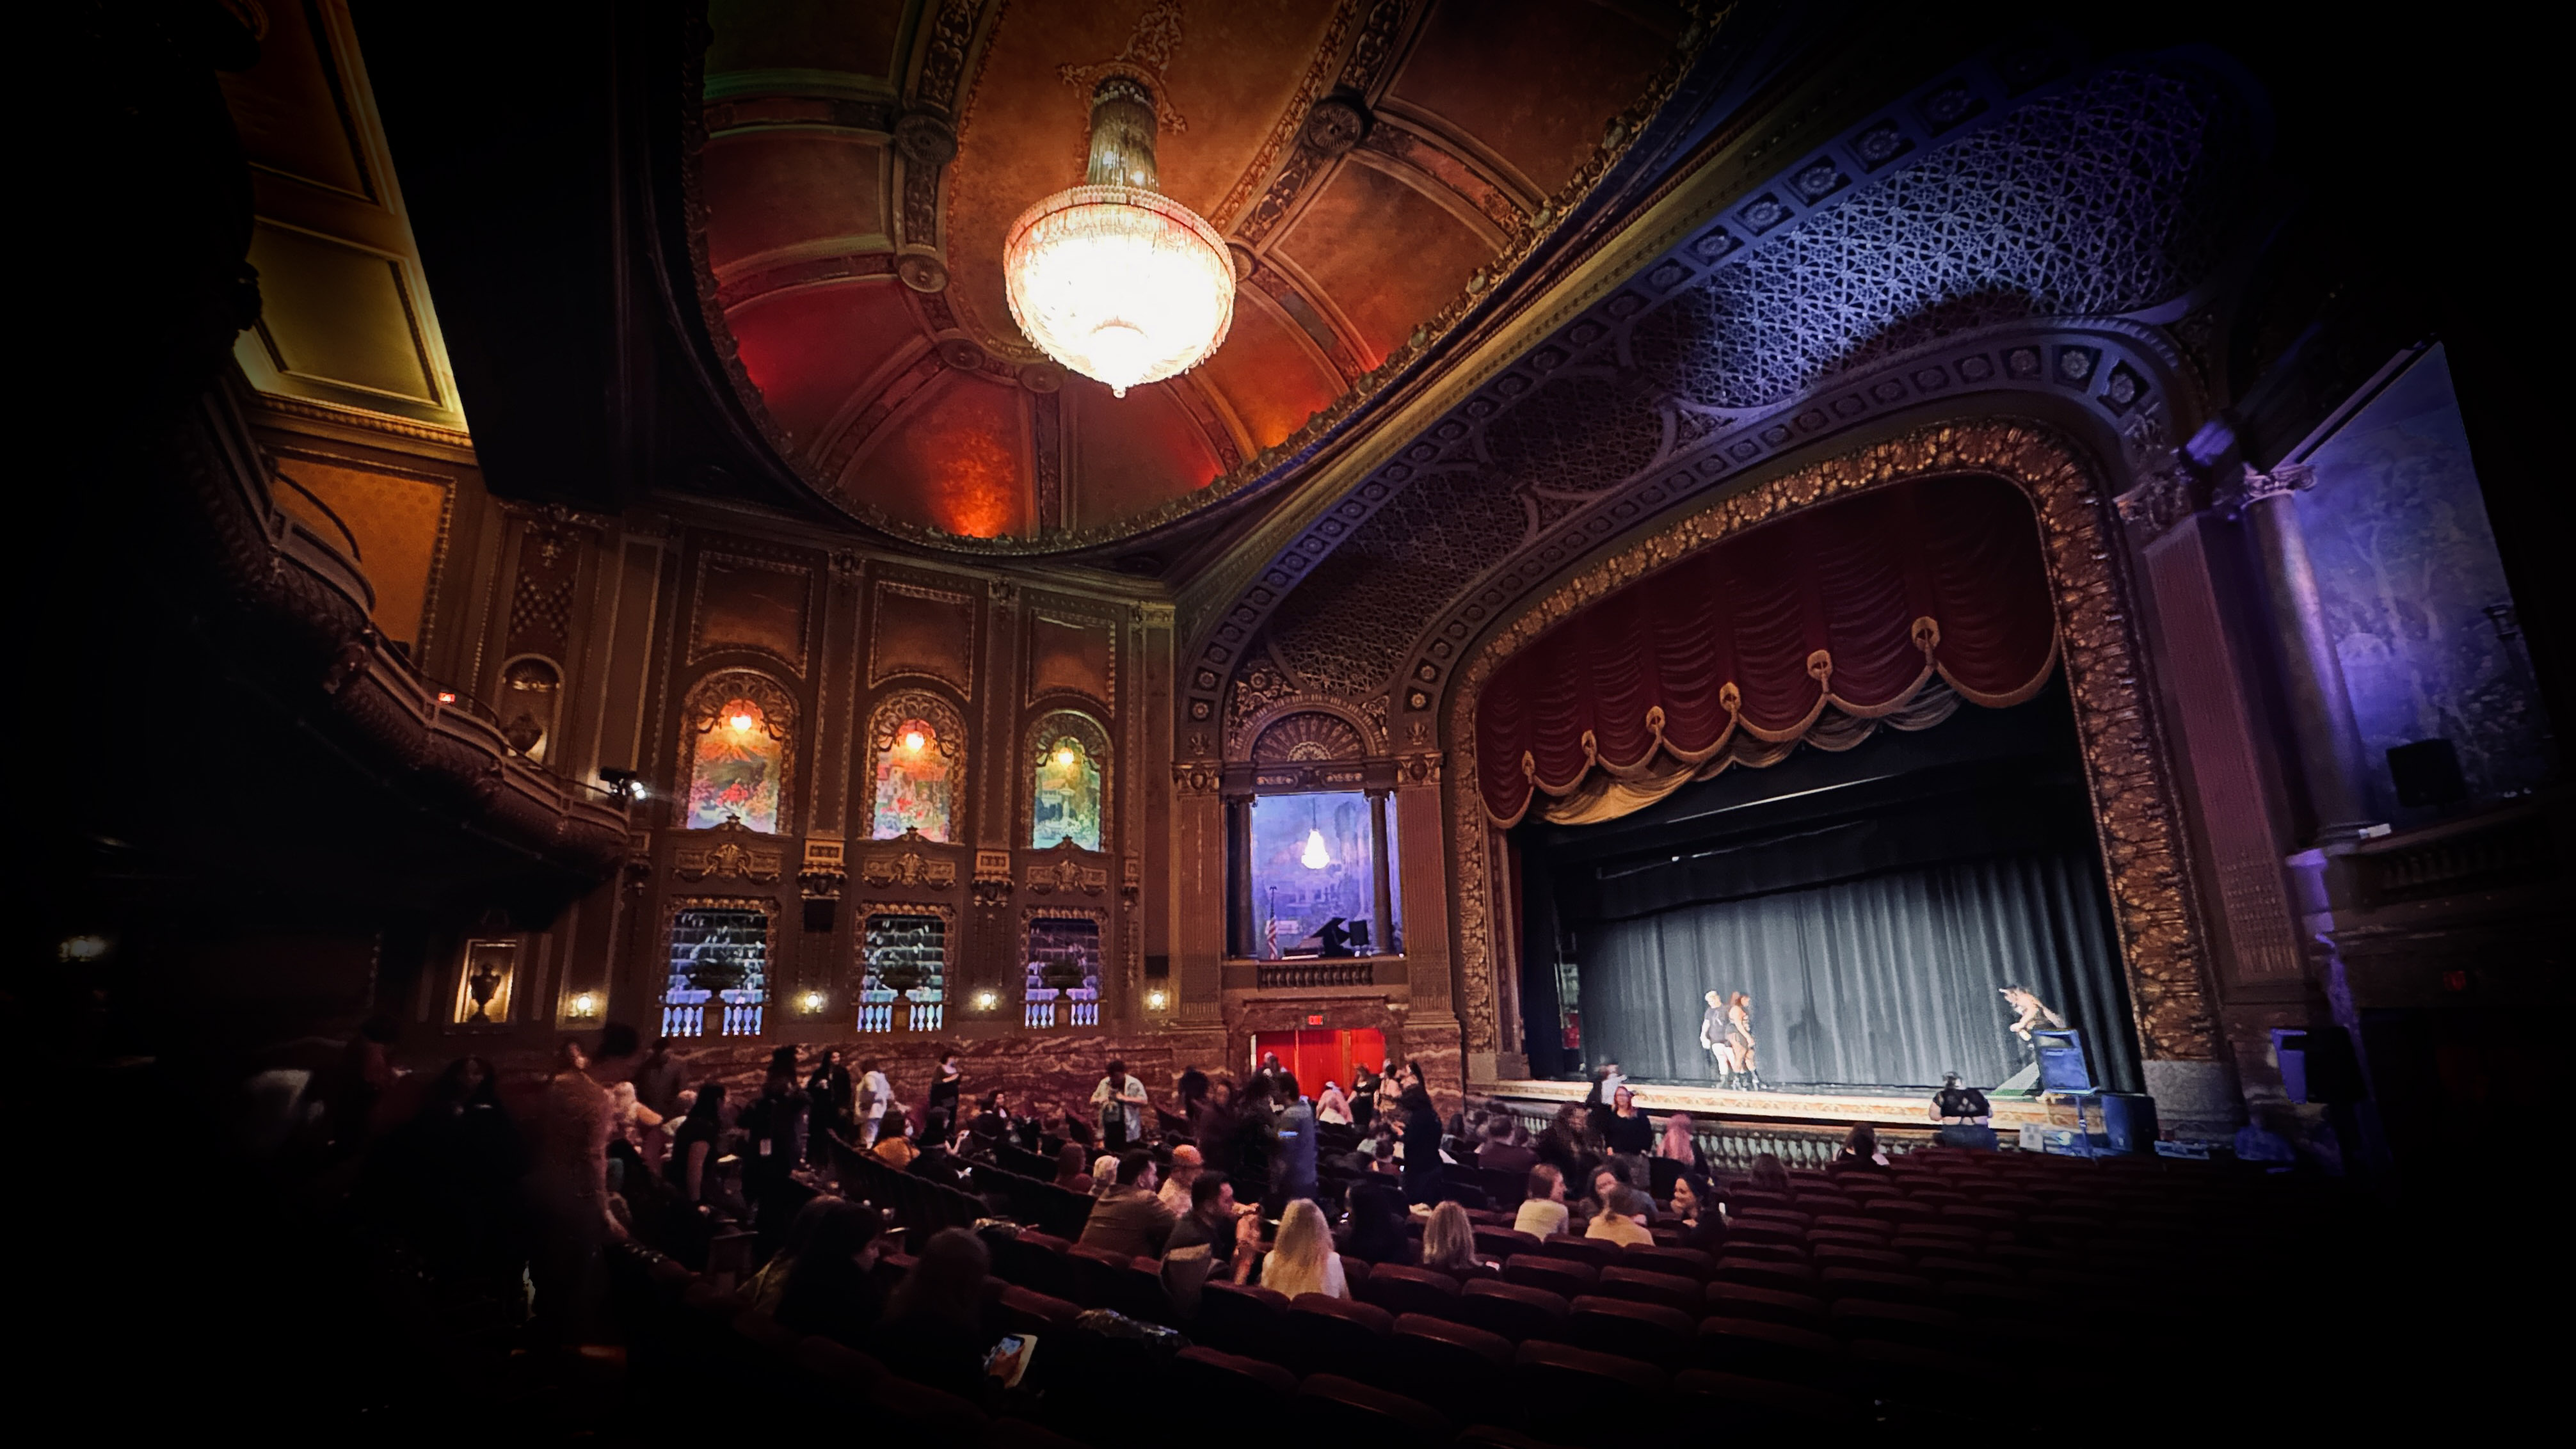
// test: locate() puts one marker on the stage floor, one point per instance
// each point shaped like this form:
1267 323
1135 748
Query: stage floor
1909 1109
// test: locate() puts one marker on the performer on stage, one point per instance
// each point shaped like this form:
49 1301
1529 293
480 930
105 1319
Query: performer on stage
1739 1030
2032 1013
1714 1040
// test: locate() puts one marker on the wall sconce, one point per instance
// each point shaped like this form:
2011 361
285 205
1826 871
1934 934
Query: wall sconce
584 1006
987 999
811 1003
1157 999
84 948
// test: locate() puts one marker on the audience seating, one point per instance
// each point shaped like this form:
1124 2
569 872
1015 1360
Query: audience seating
1757 1406
1322 1333
1570 1388
1335 1406
1640 1286
1243 1319
1770 1351
1459 1369
1647 1332
1515 1312
1556 1275
1400 1290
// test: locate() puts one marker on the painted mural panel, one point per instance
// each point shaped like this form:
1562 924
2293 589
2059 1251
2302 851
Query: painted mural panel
914 790
735 770
2407 568
1066 797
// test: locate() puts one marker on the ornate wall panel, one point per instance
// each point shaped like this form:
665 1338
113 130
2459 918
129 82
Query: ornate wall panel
2144 854
1072 653
919 629
758 604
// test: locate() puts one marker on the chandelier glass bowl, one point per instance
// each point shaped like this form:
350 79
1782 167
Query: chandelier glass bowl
1112 278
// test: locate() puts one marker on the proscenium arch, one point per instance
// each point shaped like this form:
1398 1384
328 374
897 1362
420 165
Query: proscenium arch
2145 854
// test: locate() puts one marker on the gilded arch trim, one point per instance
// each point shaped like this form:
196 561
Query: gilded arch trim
2145 855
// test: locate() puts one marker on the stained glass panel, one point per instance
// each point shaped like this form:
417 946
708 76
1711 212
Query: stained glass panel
1067 797
914 791
734 770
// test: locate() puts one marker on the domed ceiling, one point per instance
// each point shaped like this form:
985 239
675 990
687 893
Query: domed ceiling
1367 160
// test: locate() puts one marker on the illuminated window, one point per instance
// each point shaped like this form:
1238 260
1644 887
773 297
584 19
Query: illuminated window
1065 800
904 984
737 754
919 745
719 971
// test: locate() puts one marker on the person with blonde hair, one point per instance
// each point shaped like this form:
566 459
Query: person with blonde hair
1302 1259
1449 1241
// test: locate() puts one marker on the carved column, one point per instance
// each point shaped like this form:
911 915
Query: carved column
1381 892
2330 752
1239 929
1199 854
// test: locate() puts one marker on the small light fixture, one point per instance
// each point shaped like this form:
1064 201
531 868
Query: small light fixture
585 1005
1063 756
1156 1000
447 696
1315 858
812 1001
84 948
987 1000
914 740
741 722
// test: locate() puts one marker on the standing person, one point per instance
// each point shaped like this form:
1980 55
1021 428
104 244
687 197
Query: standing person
949 1085
1363 1095
1120 1102
1627 1132
1214 1125
658 1079
1268 1073
832 1099
696 1146
1188 1089
1292 1150
875 1095
1680 1144
1739 1029
568 1185
1423 1180
1499 1153
1965 1117
1714 1040
1249 1154
775 1126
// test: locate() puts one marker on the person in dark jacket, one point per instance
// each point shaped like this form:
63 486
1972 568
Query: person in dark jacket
1423 1179
774 1129
831 1287
933 1331
1254 1137
832 1100
1292 1150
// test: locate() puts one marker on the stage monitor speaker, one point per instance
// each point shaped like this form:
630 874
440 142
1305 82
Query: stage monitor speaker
2129 1121
2427 772
2061 1061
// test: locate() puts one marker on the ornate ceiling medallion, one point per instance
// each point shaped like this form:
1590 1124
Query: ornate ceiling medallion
1112 278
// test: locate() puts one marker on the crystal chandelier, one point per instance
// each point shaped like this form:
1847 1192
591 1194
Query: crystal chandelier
1112 278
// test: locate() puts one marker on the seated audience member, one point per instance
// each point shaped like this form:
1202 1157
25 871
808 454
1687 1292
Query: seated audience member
990 1126
1680 1144
1597 1189
1449 1241
936 1161
1302 1259
1129 1219
1333 1105
1768 1175
1627 1131
831 1287
1624 1220
1377 1216
1500 1153
1703 1220
762 1292
933 1331
894 1145
1544 1213
1104 1174
1860 1151
1966 1119
1217 1239
1069 1173
1187 1164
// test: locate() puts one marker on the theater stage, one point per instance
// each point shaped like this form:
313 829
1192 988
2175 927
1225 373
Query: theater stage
1790 1108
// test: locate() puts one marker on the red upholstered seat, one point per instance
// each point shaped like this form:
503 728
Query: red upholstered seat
1759 1406
1858 1318
1647 1332
1789 1277
1557 1275
1227 1386
1568 1386
1839 1255
1849 1223
1797 1217
1844 1238
836 1366
1242 1319
1640 1286
1036 1262
1838 1283
1770 1351
1097 1276
1684 1262
1997 1310
918 1408
1743 1300
1399 1289
1501 1243
1599 1252
1463 1371
1334 1406
1031 1312
1322 1334
1515 1312
1764 1230
1760 1252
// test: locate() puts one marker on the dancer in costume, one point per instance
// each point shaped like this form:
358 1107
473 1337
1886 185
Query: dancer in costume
2032 1013
1714 1040
1739 1030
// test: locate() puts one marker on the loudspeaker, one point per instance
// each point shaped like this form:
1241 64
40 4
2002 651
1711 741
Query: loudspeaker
2129 1121
2427 772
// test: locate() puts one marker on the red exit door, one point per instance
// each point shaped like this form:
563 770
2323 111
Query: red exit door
1316 1056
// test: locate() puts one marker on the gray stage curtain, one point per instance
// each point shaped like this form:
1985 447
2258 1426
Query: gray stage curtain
1890 979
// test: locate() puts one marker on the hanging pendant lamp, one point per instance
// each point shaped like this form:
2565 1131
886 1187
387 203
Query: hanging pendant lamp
1112 278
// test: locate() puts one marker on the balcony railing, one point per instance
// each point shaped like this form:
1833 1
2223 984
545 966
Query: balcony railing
1352 971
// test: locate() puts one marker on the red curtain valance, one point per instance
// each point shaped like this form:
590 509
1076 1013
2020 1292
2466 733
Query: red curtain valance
1854 605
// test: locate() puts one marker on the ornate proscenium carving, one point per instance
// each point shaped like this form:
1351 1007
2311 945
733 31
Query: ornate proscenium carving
1067 872
910 868
734 852
2144 851
826 869
992 878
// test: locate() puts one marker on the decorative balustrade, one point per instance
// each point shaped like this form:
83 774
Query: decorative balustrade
1354 971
